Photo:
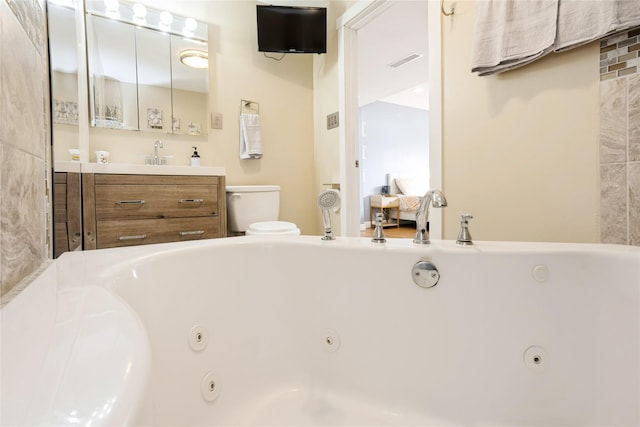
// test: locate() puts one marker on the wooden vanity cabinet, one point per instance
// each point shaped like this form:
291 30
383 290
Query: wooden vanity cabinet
126 210
67 225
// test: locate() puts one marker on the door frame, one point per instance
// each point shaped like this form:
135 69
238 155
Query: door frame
348 25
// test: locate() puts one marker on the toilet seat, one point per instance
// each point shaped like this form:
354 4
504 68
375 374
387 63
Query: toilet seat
273 228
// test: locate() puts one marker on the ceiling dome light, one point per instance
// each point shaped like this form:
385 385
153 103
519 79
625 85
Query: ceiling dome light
194 58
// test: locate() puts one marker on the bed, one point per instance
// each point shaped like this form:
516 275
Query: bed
404 199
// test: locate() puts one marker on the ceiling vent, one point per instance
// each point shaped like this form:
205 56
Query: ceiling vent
405 60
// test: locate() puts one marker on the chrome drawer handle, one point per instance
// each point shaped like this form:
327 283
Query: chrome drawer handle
138 237
191 200
130 202
191 233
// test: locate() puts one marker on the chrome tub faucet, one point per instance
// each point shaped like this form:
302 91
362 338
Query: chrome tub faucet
464 236
432 197
378 234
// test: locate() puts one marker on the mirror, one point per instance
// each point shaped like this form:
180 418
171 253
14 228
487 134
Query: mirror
189 88
64 77
154 80
113 76
137 78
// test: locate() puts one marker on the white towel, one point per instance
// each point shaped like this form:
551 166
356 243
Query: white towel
581 22
512 33
250 137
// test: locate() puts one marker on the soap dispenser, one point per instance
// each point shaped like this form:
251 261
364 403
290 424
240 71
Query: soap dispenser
195 158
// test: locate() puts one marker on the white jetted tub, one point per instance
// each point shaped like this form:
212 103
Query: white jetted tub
296 331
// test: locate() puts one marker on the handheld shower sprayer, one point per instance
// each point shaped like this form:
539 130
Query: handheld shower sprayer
328 199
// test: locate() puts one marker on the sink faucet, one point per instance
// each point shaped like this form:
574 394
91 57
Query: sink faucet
156 146
438 200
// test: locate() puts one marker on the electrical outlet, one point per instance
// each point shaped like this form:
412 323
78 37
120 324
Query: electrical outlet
332 120
216 120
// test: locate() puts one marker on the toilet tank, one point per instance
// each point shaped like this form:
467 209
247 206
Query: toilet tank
247 204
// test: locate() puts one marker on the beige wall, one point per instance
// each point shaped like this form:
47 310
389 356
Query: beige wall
520 150
325 102
284 91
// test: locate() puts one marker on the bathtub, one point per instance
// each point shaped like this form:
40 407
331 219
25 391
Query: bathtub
296 331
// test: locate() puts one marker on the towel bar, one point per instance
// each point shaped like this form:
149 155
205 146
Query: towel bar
444 12
250 107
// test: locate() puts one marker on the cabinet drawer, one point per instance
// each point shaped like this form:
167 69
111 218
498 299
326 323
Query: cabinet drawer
155 201
146 231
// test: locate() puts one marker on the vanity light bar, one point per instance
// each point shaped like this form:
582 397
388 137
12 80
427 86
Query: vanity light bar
66 3
143 16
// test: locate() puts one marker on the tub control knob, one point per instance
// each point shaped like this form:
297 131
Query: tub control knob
425 274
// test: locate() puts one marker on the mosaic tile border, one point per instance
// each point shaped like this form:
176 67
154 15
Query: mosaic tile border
620 55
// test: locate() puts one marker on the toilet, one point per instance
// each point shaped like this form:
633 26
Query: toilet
254 210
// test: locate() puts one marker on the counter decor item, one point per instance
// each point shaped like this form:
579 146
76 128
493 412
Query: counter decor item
102 157
195 158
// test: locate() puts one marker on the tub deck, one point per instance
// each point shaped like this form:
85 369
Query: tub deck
298 331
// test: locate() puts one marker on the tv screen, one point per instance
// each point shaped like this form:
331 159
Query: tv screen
292 29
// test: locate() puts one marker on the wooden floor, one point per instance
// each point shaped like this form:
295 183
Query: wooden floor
406 230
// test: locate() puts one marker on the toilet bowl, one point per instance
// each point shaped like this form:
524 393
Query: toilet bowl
272 228
254 210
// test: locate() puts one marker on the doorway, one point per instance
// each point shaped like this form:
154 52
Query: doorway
365 22
393 129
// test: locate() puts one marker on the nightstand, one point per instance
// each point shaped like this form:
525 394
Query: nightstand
382 202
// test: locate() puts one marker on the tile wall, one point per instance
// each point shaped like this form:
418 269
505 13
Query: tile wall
24 143
620 138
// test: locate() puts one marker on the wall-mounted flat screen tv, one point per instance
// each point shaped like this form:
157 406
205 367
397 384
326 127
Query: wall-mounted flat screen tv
292 29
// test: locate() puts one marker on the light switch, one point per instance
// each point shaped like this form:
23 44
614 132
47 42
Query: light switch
332 121
216 120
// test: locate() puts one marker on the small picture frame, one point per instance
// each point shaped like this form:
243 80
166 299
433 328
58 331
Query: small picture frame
194 128
154 118
65 112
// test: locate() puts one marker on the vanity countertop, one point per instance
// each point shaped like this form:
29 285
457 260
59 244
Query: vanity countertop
67 166
134 169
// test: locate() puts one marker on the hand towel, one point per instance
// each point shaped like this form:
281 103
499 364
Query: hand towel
250 137
581 22
512 33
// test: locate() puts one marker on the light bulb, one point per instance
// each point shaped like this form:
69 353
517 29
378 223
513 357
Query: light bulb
165 21
166 17
190 24
112 5
139 11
